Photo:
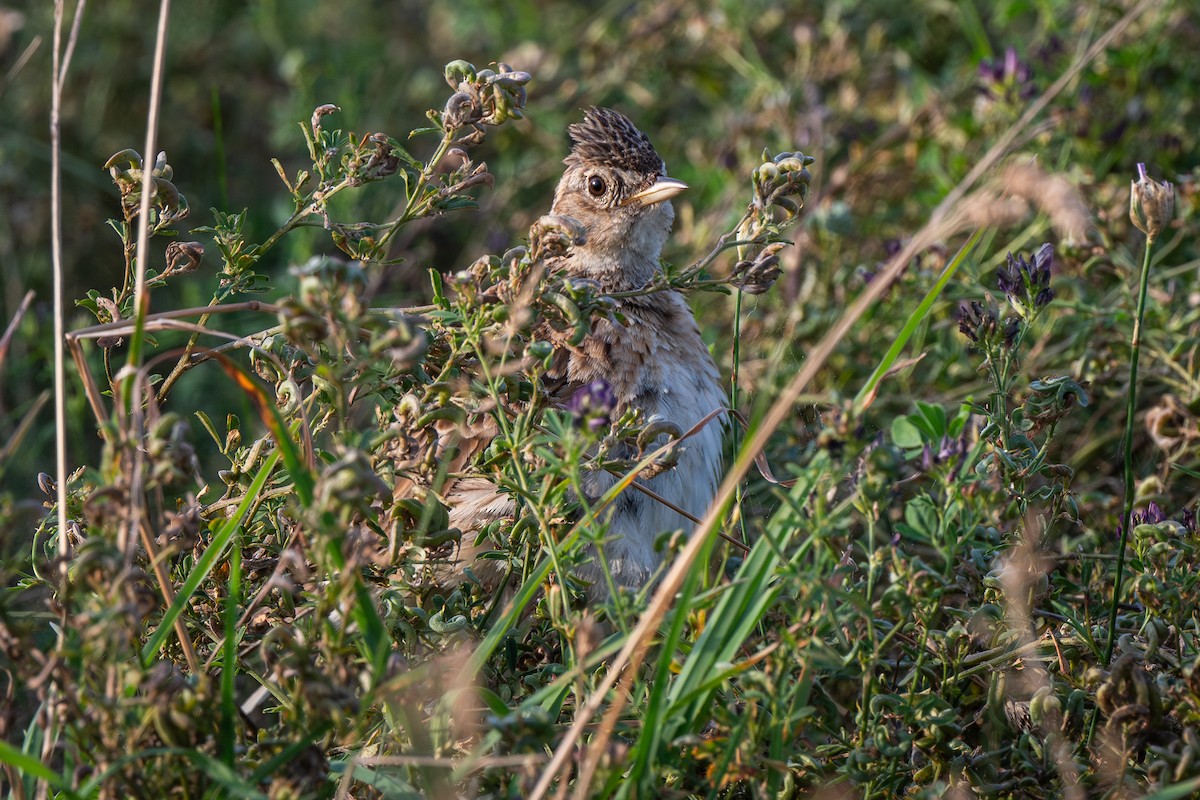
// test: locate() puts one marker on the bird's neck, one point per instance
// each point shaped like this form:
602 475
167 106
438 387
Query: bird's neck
624 270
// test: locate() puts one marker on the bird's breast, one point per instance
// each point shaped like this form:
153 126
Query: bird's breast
657 362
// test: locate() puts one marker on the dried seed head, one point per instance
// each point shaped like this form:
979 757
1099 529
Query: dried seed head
554 234
976 321
757 275
183 257
1151 204
109 312
318 112
483 97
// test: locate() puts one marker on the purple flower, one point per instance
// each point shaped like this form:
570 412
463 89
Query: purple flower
1007 78
1151 516
975 320
951 451
592 405
1027 282
1154 514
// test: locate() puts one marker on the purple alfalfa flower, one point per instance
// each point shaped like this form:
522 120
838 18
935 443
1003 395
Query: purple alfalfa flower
1009 279
1188 520
1012 327
952 447
975 320
1039 275
1151 516
1026 281
953 450
592 405
1008 78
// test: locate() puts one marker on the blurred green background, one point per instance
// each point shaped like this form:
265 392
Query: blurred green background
888 99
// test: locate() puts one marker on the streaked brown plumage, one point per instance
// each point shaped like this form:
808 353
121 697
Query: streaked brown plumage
615 185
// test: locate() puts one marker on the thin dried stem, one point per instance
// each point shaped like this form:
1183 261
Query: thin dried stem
61 62
11 330
141 301
141 296
159 321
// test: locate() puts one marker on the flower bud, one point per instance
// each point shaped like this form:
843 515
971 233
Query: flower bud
592 405
1151 204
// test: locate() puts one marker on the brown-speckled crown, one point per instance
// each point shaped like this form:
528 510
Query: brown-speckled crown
608 137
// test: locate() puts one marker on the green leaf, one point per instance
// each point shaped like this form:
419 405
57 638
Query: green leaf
905 434
229 710
935 420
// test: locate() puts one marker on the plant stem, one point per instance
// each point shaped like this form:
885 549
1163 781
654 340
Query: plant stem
733 401
1130 409
141 299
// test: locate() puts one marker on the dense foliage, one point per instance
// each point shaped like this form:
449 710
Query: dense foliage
953 566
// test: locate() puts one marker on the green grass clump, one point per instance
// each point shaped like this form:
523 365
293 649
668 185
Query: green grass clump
956 547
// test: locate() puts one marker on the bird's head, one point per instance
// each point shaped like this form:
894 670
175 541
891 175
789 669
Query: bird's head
616 185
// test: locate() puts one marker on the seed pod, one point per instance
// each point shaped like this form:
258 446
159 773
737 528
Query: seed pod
1151 204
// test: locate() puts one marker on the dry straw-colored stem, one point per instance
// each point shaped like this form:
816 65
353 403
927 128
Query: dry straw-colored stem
61 61
638 643
162 321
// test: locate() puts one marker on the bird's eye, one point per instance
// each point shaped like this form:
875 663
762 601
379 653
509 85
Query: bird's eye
596 185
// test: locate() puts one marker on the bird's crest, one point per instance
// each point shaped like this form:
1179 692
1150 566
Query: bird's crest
608 137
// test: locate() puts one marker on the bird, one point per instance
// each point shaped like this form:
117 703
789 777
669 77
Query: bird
650 356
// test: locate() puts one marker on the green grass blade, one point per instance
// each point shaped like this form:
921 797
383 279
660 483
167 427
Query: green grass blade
32 766
538 574
225 738
867 393
1187 788
204 565
737 613
645 750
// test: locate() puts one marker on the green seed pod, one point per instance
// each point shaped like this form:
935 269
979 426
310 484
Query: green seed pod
447 412
458 71
542 351
439 624
656 428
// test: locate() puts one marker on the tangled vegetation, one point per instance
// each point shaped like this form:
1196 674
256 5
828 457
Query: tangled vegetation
956 551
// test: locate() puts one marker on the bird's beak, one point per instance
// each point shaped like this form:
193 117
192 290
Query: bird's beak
663 189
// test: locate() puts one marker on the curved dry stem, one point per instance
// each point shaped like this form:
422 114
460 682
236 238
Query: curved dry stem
155 322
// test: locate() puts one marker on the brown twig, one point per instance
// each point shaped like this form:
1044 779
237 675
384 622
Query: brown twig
155 322
6 339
